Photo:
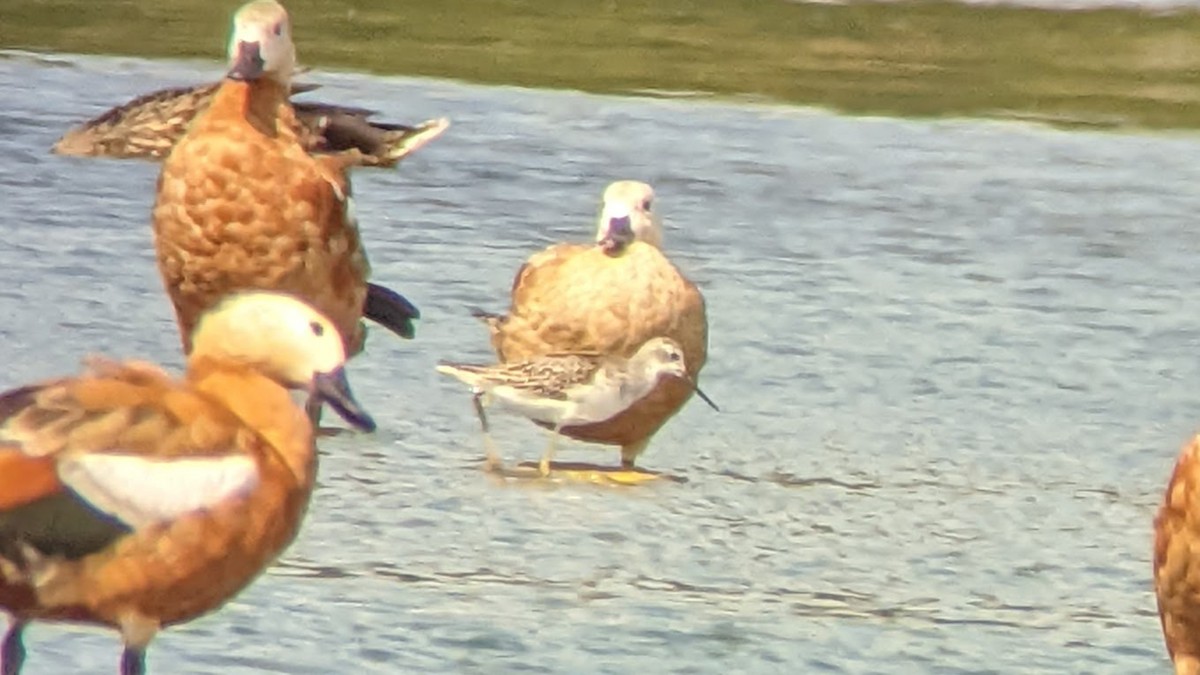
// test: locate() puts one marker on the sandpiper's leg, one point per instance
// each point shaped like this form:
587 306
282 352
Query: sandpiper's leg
551 447
12 654
493 461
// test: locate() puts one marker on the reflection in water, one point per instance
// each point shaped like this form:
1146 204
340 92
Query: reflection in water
955 361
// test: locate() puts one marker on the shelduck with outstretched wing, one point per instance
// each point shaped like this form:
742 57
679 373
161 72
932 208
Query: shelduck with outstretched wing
242 205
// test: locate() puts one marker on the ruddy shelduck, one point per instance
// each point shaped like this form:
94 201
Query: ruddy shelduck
1177 561
610 298
241 204
570 389
149 126
134 500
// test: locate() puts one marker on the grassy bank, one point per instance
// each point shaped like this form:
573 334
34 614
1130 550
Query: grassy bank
1102 68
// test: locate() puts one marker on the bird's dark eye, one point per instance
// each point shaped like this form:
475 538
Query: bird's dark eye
317 328
646 205
279 29
674 356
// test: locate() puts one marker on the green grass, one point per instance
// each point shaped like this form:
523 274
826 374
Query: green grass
1103 68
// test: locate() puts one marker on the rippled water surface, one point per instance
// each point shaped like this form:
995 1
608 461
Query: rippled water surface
955 361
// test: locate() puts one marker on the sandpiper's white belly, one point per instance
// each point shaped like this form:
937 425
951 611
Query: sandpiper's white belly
529 405
598 401
605 399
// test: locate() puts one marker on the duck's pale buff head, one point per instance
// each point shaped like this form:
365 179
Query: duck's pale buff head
627 216
285 339
662 356
261 45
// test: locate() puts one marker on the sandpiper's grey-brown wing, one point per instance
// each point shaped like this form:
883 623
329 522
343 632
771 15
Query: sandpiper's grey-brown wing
147 126
550 376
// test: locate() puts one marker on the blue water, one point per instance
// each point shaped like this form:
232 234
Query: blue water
955 361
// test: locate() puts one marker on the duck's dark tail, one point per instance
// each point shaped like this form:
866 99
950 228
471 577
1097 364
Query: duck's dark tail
391 310
492 319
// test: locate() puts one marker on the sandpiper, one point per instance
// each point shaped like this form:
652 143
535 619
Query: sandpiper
570 388
610 296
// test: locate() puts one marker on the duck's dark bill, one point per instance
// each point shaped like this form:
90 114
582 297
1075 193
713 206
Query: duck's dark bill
332 388
248 62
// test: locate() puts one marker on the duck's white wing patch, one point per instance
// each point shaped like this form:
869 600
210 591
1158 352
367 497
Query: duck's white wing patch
351 212
140 491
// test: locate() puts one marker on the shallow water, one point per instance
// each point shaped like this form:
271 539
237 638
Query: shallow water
955 361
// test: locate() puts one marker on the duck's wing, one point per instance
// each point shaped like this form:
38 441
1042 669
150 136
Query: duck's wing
146 127
540 273
524 283
149 126
335 128
513 336
84 461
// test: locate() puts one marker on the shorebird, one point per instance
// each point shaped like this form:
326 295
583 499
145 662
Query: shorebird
609 297
134 500
561 390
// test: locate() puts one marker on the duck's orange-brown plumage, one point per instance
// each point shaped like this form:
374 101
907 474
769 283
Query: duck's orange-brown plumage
24 479
1177 561
609 299
135 500
241 205
176 570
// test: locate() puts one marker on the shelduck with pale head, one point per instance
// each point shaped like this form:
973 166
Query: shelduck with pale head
134 500
626 216
242 205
